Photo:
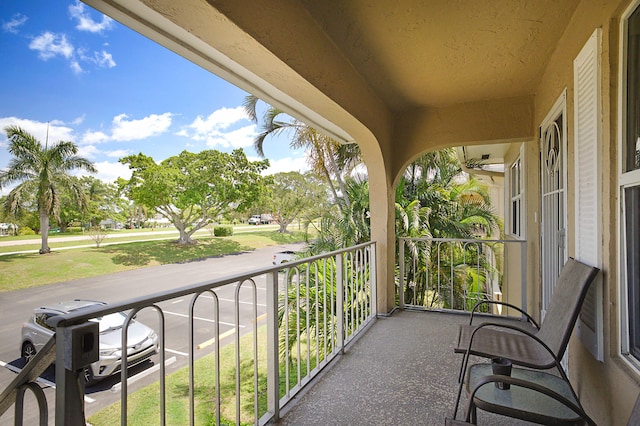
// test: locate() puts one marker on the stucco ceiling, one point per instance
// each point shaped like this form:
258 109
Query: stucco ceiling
443 52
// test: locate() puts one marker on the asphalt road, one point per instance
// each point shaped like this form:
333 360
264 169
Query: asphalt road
18 305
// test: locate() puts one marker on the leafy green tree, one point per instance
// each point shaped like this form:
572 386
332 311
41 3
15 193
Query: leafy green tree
291 194
102 202
135 215
191 190
43 171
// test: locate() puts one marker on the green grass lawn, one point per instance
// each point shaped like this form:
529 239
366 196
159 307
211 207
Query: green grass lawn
142 405
32 269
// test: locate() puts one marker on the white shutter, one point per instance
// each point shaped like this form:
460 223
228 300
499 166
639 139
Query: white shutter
588 207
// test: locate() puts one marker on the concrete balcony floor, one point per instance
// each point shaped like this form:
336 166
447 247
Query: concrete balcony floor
402 371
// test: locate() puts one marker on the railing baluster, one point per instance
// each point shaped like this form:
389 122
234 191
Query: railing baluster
480 257
273 355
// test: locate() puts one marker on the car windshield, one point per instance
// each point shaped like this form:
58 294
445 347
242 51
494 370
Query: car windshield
110 322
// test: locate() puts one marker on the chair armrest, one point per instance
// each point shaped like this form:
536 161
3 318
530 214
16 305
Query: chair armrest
496 302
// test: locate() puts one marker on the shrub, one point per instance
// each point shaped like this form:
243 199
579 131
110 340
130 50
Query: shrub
223 231
74 229
25 230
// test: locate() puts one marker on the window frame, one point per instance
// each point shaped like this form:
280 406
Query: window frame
626 180
516 198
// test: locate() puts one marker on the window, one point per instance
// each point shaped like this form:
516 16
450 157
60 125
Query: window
630 183
516 189
41 319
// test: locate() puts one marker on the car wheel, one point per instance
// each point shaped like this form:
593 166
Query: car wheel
87 376
28 351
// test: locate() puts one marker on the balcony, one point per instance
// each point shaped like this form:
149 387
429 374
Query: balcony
322 329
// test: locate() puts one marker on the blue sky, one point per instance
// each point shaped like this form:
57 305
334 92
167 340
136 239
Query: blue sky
93 81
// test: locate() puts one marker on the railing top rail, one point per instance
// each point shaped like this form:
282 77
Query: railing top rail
461 240
144 301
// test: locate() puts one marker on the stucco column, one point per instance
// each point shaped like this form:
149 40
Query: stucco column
381 201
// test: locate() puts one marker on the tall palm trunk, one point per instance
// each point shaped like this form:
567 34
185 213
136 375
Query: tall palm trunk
44 231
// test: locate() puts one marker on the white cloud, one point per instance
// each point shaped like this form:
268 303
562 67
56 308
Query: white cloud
219 119
85 22
128 130
213 129
104 59
109 171
75 67
118 153
88 151
287 164
56 129
16 22
90 137
49 45
239 138
78 120
208 128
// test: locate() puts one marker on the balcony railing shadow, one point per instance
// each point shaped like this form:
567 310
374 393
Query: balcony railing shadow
402 371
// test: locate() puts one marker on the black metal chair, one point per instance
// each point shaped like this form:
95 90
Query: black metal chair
539 349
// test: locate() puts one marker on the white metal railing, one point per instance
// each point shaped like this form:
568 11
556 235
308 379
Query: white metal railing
314 307
453 274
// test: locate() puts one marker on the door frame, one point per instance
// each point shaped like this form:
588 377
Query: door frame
559 109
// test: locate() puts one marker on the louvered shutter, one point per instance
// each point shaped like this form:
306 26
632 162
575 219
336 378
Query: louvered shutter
588 210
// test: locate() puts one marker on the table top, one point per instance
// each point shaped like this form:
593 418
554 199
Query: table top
521 402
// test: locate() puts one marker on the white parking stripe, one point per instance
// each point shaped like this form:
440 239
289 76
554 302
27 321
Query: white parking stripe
176 352
206 296
200 319
40 380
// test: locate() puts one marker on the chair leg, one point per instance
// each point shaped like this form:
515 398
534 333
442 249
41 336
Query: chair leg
463 369
461 365
473 414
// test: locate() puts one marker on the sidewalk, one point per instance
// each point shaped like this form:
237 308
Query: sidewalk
54 239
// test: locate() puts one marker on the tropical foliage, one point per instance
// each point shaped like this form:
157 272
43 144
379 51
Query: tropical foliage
434 199
42 173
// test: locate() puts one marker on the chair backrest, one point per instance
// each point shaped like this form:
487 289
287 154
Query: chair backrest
564 307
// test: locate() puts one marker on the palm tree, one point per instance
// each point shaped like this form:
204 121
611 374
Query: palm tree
432 200
327 157
346 222
43 171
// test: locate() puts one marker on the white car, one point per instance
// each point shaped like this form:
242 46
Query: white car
283 257
254 220
142 341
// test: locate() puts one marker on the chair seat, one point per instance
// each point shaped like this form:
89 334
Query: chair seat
519 348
